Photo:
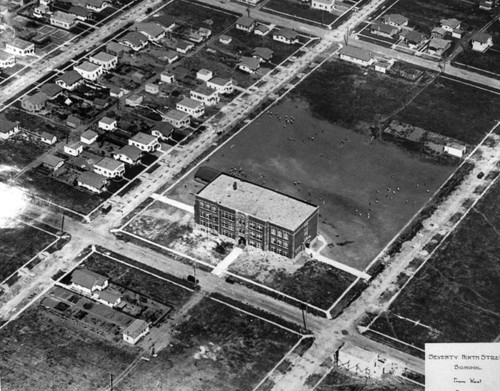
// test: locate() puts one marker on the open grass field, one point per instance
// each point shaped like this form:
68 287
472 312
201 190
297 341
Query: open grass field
42 351
16 250
300 11
455 295
36 123
333 167
215 348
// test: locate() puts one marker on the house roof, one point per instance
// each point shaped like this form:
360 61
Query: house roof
115 90
204 90
117 47
75 146
92 179
395 18
88 134
103 57
176 115
452 23
413 36
265 204
262 28
183 45
6 126
384 28
171 55
357 53
481 37
204 72
109 164
167 21
144 138
37 99
151 29
51 89
245 21
73 119
190 103
136 328
79 11
264 53
439 44
108 297
48 136
287 33
164 128
51 160
87 66
439 30
249 62
219 81
134 98
19 43
4 56
107 120
135 38
63 16
70 77
87 278
130 151
225 38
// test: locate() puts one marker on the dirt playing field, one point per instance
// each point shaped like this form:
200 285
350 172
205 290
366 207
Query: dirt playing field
366 191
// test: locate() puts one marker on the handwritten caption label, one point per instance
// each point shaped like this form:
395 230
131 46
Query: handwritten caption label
462 366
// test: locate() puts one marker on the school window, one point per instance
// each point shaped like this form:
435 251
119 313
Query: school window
273 231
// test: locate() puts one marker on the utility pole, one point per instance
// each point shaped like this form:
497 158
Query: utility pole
62 226
304 308
110 382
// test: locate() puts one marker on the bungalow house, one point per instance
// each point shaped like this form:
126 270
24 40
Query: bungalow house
225 39
438 32
116 92
88 137
51 162
107 123
177 118
48 138
52 90
455 149
487 5
96 5
92 181
183 46
170 56
129 154
168 22
383 30
246 23
81 13
195 37
396 20
135 40
74 149
382 65
7 129
481 42
7 60
63 20
204 75
221 85
287 36
108 298
262 30
145 142
73 121
19 47
207 96
69 80
413 38
263 54
190 106
356 55
105 60
438 46
167 77
204 32
133 100
249 64
450 24
34 103
110 168
87 281
152 88
41 11
153 31
117 48
137 329
89 70
324 5
162 130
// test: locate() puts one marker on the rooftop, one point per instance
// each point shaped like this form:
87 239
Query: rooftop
135 38
176 115
87 278
70 77
395 18
37 99
245 21
136 328
204 90
4 56
88 134
264 53
133 153
357 53
190 103
481 37
220 81
51 89
19 43
107 120
92 179
151 29
144 138
250 62
286 33
63 16
108 297
6 126
265 204
109 164
87 66
51 160
103 57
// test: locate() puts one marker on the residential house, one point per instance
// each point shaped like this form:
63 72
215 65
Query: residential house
92 181
195 37
63 20
116 92
19 47
96 5
152 88
481 42
177 118
69 80
8 128
168 22
73 121
129 154
383 29
105 60
117 48
396 20
48 138
167 77
455 149
221 85
110 168
88 137
324 5
135 40
51 162
413 39
145 142
438 32
108 298
170 56
107 123
192 107
262 30
183 46
225 39
52 90
34 103
7 60
137 329
438 46
204 75
204 32
133 100
89 70
356 55
41 11
249 64
287 36
81 13
207 96
153 31
87 281
74 149
382 65
246 23
450 24
263 54
162 130
487 5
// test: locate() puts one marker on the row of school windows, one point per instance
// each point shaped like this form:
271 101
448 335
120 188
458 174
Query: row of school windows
209 223
209 216
278 250
229 234
279 233
255 244
208 206
280 242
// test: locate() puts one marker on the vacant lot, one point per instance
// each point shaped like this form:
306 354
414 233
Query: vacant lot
35 123
42 351
301 11
366 191
15 250
215 348
20 150
455 295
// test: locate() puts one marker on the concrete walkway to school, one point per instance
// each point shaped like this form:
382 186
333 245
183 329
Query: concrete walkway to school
169 201
226 262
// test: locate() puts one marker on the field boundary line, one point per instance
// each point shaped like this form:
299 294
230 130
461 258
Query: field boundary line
343 294
473 67
34 226
460 80
396 339
58 206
